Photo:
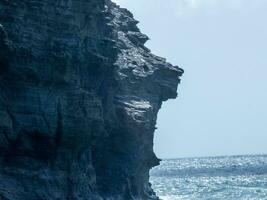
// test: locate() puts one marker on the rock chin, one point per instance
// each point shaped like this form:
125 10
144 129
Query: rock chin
79 97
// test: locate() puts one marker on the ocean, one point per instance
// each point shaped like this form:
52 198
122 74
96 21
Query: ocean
212 178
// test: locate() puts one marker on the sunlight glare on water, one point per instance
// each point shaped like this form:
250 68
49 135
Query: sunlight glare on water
228 178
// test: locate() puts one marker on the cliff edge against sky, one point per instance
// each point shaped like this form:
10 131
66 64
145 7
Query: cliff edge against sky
79 97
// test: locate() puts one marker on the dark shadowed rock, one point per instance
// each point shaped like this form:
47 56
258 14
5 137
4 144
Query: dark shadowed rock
79 97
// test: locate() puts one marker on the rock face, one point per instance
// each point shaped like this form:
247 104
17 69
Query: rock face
79 97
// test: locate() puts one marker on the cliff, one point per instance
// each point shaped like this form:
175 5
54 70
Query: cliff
79 97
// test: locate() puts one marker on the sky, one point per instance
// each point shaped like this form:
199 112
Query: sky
222 46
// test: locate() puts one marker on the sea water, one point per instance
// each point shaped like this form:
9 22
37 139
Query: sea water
215 178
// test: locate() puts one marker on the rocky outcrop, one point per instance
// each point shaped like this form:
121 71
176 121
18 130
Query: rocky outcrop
79 97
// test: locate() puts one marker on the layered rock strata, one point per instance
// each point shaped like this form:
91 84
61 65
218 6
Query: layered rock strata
79 97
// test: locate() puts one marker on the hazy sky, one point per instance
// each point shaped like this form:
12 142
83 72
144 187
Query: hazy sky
222 46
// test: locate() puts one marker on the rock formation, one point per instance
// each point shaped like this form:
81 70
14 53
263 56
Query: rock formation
79 97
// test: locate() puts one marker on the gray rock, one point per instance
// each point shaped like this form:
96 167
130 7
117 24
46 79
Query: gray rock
79 97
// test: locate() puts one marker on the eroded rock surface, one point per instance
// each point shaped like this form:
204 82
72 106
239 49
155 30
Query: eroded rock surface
79 97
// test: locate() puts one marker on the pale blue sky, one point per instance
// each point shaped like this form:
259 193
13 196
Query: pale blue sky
222 46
